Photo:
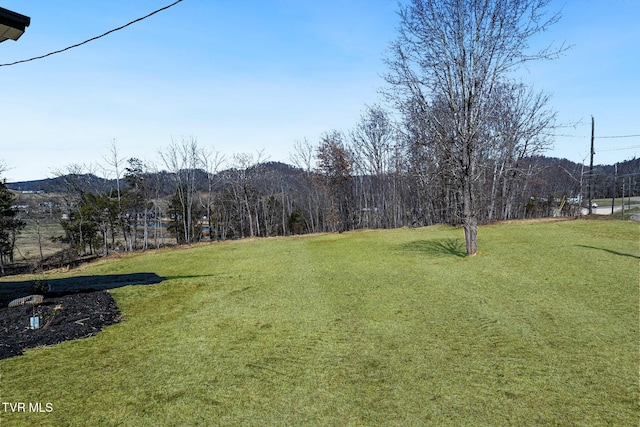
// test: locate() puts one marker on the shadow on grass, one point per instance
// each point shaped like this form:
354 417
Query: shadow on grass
610 251
437 247
78 284
191 276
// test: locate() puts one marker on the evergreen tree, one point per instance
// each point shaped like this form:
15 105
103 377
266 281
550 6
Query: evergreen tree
10 226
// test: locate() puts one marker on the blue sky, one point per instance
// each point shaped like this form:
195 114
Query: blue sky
242 76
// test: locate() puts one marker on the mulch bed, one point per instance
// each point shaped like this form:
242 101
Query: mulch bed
62 318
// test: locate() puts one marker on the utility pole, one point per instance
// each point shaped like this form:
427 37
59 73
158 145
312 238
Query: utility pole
615 188
591 165
622 197
628 193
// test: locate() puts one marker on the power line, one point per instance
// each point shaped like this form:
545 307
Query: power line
621 148
619 136
596 137
93 38
565 136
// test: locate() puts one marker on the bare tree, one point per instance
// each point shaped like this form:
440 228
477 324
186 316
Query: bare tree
211 160
303 157
372 141
182 160
138 200
458 51
518 128
116 162
244 169
75 181
156 184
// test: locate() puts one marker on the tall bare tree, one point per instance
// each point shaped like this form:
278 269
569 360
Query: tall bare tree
156 183
303 157
518 128
74 182
182 161
243 175
457 51
373 143
116 162
211 160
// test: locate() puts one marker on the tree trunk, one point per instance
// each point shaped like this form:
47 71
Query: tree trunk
470 234
470 223
470 220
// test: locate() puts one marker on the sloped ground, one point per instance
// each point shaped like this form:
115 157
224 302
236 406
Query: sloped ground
62 318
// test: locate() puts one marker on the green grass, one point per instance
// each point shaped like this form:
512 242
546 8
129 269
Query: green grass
391 327
617 201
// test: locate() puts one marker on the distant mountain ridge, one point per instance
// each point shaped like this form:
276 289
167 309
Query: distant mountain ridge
96 184
555 171
54 184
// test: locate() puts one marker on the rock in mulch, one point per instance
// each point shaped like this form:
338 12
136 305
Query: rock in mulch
62 318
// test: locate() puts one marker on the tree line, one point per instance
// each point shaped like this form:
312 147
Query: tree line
370 177
367 178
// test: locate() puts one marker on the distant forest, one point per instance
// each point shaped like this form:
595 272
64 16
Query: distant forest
555 176
333 186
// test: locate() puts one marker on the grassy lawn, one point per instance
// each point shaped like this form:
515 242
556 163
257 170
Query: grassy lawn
390 327
617 201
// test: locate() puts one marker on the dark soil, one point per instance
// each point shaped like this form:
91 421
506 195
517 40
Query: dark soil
62 318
